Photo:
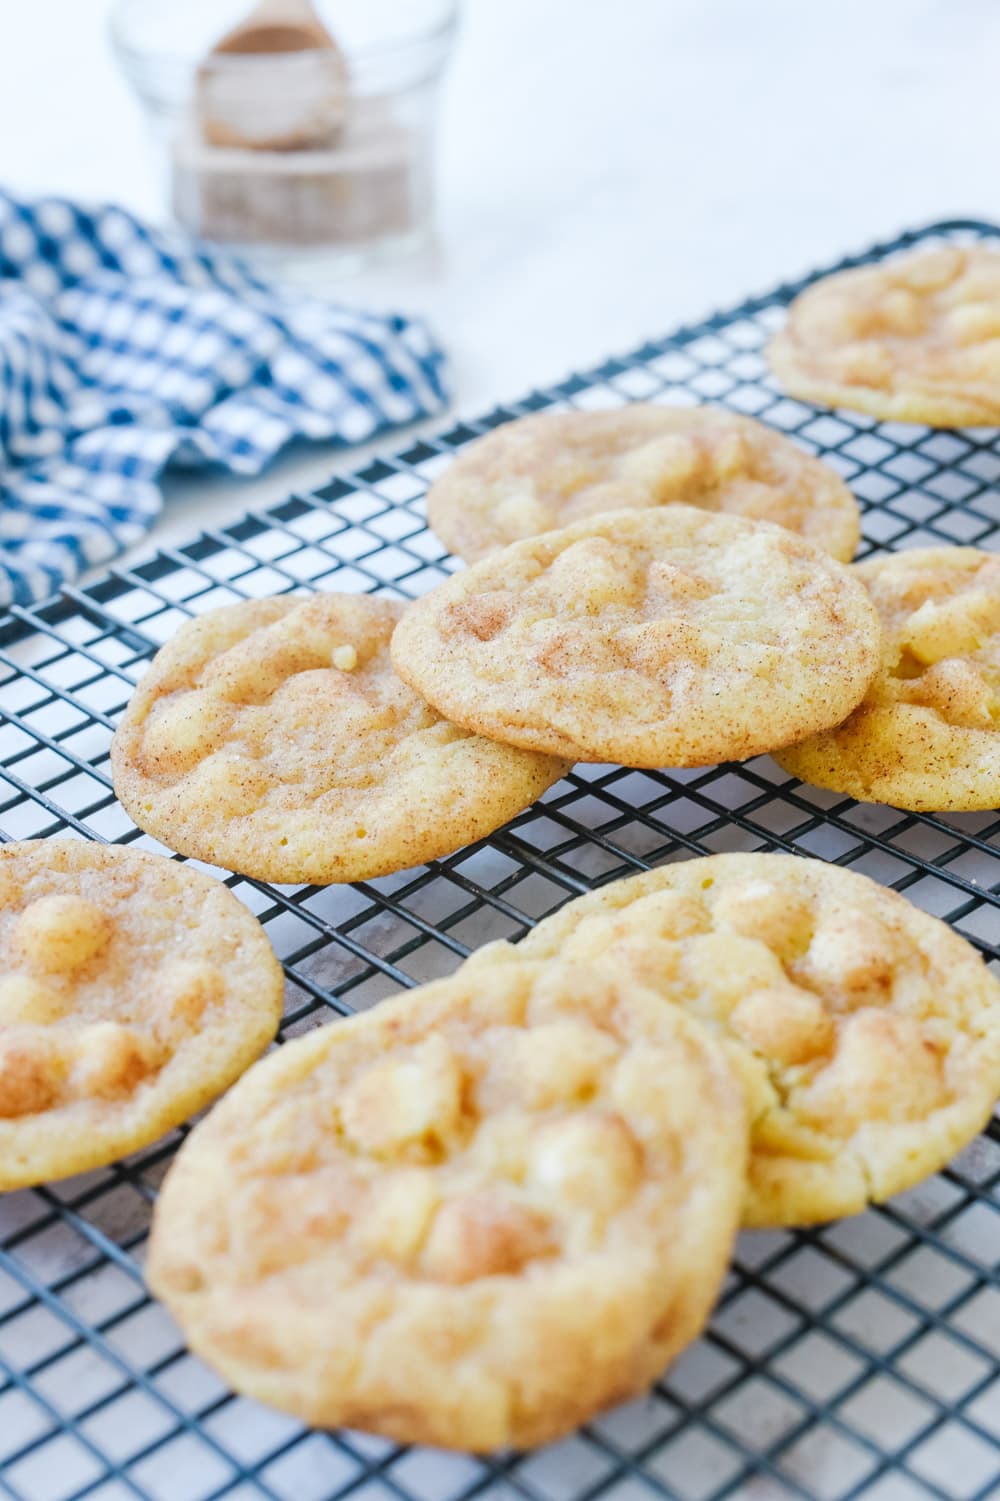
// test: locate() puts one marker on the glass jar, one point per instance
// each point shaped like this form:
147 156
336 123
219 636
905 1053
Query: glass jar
365 195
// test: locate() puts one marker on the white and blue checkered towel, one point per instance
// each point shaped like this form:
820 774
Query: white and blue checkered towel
123 348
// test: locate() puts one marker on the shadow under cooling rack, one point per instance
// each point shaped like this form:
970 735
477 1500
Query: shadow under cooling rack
858 1360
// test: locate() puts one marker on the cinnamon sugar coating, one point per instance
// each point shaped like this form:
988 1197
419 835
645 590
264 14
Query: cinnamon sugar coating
555 468
926 736
273 737
473 1216
132 991
866 1031
652 638
914 339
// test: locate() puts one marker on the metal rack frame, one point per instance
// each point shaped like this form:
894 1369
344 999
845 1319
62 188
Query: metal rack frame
857 1360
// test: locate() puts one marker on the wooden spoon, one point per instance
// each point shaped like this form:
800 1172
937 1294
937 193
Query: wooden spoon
276 82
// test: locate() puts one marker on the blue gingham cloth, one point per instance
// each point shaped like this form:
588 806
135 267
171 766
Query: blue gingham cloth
123 348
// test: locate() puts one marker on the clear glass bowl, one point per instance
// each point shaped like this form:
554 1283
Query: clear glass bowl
368 195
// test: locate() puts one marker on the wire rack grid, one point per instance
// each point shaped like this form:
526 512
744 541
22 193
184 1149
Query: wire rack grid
855 1362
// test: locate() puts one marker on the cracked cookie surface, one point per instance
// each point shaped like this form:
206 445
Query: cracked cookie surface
133 990
926 736
274 738
915 339
651 638
471 1217
867 1032
550 470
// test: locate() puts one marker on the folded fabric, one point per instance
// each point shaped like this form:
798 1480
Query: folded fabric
123 348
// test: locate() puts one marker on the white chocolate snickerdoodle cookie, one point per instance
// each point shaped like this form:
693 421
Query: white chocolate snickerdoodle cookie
555 468
867 1032
472 1217
910 340
132 991
651 638
926 736
274 738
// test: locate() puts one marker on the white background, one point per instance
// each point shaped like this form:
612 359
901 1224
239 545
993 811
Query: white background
607 167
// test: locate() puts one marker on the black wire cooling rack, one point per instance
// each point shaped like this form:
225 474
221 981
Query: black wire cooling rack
860 1360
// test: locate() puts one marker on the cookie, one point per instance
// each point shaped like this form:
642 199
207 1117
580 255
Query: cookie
927 733
651 638
866 1031
274 738
133 990
910 340
555 468
472 1217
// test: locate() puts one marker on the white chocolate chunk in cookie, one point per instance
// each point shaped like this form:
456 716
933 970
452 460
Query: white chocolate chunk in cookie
345 658
668 464
485 1235
32 1071
959 691
409 1102
667 577
853 954
973 322
591 1164
109 1059
954 627
61 932
188 987
555 1064
886 1069
399 1215
759 909
178 732
23 998
785 1022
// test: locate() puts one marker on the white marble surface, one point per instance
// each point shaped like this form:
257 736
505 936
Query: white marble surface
606 170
